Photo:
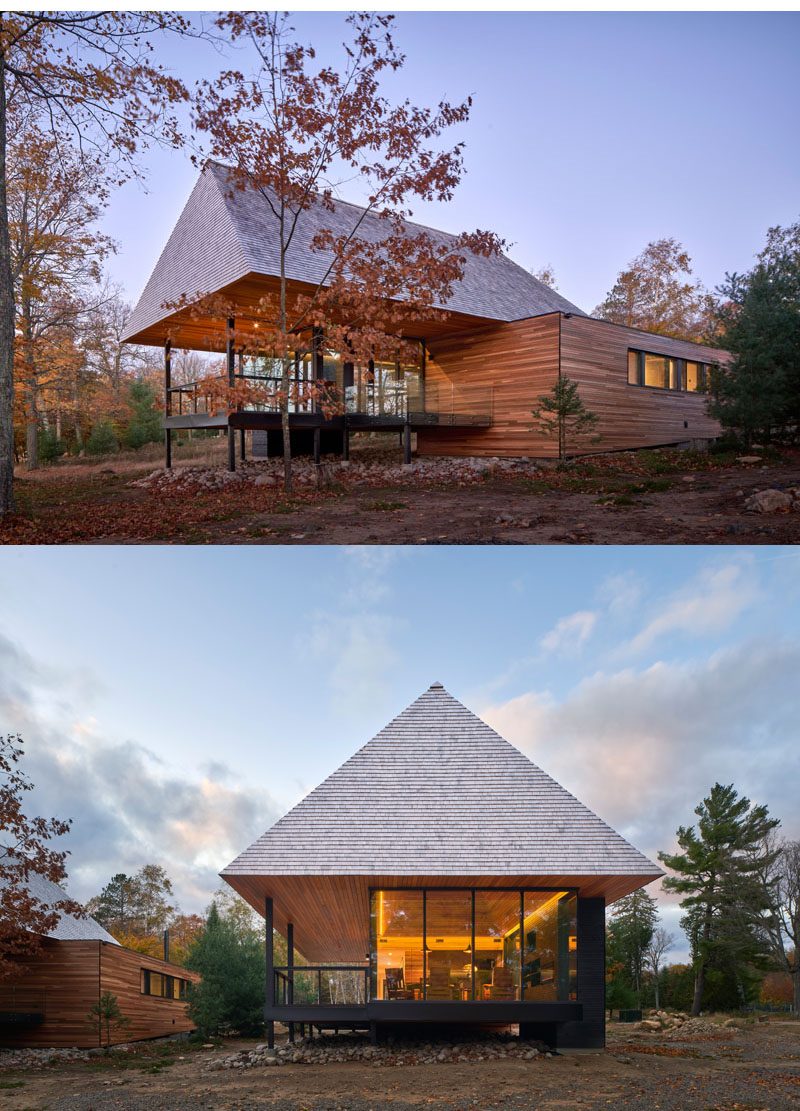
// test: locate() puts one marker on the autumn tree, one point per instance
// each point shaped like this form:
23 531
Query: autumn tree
138 906
295 131
24 851
94 77
719 871
55 197
757 394
781 880
563 415
546 275
657 294
657 948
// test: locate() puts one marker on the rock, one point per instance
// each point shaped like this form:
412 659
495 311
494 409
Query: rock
748 458
768 501
649 1024
266 480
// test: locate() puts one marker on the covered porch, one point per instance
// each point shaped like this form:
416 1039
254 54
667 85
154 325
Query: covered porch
483 954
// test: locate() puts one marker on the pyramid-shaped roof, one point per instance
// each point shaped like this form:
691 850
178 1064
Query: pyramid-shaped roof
225 233
439 793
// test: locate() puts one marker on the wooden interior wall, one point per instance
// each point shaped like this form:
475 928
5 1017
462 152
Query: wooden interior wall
150 1016
519 361
68 974
73 974
595 355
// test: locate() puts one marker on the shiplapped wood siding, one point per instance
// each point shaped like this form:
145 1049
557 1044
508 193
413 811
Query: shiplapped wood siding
595 355
510 365
149 1016
68 976
73 974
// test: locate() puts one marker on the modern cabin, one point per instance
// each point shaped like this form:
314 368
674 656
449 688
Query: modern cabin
439 877
48 1004
471 375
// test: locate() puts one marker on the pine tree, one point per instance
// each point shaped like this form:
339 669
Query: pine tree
563 414
230 960
719 873
630 931
103 440
145 425
758 394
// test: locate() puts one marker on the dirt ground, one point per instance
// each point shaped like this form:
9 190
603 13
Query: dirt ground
754 1069
654 497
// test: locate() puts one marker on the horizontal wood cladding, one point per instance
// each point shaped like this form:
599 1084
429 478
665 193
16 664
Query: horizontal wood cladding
68 976
505 366
331 913
149 1016
71 975
595 355
516 363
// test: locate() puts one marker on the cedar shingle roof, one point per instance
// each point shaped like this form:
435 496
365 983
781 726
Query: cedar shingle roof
68 927
224 234
437 793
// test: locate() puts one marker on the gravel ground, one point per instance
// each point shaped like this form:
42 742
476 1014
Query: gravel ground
753 1069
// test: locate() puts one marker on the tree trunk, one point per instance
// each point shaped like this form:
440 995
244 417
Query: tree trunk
796 986
699 984
31 391
655 988
6 321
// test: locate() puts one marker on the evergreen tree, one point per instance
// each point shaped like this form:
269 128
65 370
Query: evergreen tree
561 413
113 906
103 439
758 394
106 1016
230 960
719 873
145 425
50 447
631 929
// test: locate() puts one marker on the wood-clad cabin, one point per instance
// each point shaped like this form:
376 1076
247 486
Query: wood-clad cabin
439 876
48 1004
480 362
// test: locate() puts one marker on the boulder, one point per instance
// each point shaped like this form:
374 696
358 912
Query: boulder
768 501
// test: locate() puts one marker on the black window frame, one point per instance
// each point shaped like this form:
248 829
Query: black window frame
704 370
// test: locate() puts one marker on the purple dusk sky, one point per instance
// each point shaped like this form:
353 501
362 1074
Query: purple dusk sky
590 135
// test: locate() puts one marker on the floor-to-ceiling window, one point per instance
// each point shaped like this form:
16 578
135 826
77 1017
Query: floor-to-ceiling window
481 944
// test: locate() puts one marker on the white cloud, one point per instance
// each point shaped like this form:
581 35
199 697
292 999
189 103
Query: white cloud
128 805
642 747
710 604
570 633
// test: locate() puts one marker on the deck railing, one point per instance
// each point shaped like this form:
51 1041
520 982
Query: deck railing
322 984
444 404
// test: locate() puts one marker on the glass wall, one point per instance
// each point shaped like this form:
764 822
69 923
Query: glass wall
396 944
448 944
459 944
551 946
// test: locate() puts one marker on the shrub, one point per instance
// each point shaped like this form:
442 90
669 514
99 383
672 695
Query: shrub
103 440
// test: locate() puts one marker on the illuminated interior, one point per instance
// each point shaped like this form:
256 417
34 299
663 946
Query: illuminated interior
460 944
665 373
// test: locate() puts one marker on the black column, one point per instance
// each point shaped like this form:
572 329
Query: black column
269 944
290 970
231 359
406 442
167 404
589 1033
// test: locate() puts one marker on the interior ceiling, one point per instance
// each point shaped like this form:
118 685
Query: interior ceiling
188 331
331 913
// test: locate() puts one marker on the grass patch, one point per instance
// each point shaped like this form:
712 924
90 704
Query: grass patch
387 506
7 1085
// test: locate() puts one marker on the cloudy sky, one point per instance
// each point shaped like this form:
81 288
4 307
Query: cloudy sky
175 702
590 135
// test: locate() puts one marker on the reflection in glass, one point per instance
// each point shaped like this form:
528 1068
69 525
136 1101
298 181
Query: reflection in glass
448 944
497 944
396 934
